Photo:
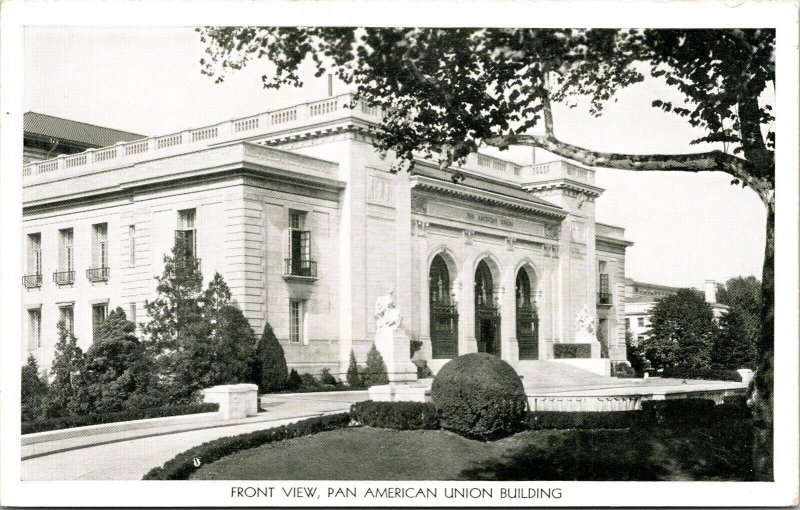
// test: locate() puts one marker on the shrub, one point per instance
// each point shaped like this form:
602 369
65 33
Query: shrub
479 395
294 381
308 382
564 351
353 377
709 374
681 412
183 465
539 420
233 348
270 369
33 390
375 370
733 407
326 377
66 395
67 422
423 372
622 370
396 415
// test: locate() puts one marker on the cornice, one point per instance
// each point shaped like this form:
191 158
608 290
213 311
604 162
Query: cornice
486 197
568 184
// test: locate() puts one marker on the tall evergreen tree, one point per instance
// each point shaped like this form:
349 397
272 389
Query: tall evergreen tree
270 371
234 348
33 390
65 396
354 379
375 369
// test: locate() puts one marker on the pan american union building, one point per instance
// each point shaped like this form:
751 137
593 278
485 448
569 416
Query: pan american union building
304 220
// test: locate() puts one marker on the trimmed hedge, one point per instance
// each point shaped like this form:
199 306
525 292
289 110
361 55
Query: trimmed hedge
396 415
540 420
479 395
183 465
683 411
706 374
572 351
68 422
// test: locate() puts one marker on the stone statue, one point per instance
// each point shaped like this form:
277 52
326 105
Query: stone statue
584 322
387 315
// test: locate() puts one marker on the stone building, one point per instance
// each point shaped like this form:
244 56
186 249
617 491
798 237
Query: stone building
308 226
641 297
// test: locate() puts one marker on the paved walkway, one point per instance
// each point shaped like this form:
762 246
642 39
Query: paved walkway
130 459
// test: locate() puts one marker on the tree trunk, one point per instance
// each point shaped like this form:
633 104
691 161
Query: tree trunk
763 386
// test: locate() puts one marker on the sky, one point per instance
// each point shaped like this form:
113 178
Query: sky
687 228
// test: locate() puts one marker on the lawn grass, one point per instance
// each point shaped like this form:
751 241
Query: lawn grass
364 453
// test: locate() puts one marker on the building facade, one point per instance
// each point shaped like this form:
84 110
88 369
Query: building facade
641 297
309 227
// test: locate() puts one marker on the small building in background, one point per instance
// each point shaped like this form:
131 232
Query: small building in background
641 297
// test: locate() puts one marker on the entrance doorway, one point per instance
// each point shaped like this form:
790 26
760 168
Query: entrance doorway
443 311
487 313
527 318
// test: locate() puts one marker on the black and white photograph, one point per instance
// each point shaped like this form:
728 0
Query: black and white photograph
404 254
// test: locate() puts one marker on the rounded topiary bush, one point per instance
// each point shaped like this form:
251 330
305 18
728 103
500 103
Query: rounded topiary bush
479 395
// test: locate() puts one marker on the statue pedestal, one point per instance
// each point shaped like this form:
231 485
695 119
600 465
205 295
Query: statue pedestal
395 346
584 337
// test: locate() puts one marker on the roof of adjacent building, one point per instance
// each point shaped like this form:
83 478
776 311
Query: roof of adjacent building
74 131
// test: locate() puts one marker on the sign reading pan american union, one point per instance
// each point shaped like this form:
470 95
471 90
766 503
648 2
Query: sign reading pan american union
519 226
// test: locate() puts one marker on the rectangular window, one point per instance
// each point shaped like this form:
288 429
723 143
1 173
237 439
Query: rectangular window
296 319
132 313
132 245
627 324
100 245
99 312
299 262
186 232
66 314
66 250
35 254
640 322
34 328
603 285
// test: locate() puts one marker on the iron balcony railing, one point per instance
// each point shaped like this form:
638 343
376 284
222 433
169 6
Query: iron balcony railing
604 298
64 277
444 308
98 274
299 267
32 281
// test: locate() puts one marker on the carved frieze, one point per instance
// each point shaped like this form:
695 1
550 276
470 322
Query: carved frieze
510 243
419 228
578 231
380 191
467 236
552 230
550 251
419 205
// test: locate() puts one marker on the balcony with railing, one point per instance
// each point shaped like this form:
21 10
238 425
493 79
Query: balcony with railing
64 277
300 268
32 281
98 274
604 298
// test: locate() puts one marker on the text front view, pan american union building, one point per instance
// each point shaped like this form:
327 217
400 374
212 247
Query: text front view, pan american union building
301 216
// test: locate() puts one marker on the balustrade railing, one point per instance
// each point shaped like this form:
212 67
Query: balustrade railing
64 277
98 274
32 281
306 268
223 131
604 298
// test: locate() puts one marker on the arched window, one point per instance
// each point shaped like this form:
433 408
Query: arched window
527 318
487 314
443 311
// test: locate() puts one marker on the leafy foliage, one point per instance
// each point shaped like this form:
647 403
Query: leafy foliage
326 378
682 331
396 415
234 348
375 369
479 395
270 372
294 381
118 371
740 327
636 355
33 390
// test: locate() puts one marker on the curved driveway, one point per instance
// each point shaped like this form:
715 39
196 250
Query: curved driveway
131 459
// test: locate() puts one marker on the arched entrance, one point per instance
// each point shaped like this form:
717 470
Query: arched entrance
527 317
443 311
487 314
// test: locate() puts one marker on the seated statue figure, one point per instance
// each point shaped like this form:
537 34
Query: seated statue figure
387 315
